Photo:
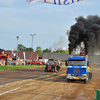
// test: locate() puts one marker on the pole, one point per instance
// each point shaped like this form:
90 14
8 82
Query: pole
17 50
32 44
31 47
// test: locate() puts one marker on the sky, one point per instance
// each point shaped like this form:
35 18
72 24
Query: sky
48 21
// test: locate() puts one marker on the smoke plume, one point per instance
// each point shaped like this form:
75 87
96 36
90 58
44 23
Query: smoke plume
62 42
86 30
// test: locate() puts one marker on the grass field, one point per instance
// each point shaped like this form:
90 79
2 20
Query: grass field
6 67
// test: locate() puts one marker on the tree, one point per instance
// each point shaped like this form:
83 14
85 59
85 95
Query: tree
46 50
39 50
61 51
21 47
29 49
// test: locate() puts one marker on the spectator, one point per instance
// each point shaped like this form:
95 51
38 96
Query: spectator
81 53
58 67
25 62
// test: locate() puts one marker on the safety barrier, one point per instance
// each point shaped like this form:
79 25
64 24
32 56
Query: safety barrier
97 95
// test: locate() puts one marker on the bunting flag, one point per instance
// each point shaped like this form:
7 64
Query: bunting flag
58 2
12 53
59 48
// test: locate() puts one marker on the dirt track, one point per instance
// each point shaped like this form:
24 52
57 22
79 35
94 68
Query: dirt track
8 76
51 88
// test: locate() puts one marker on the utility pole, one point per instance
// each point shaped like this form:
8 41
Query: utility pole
17 50
32 43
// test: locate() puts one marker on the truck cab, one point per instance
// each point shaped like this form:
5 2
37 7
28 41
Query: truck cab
77 68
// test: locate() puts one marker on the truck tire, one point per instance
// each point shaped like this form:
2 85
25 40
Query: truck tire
86 80
89 75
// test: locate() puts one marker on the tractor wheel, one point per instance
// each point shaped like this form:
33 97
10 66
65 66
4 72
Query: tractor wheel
52 70
45 70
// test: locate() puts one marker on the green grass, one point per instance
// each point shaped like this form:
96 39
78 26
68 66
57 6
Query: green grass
5 67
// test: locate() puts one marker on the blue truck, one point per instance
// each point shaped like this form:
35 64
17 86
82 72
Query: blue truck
78 68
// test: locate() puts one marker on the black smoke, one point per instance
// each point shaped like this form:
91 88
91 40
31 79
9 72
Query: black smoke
86 30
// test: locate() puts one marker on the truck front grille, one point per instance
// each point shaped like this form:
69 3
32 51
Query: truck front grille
76 71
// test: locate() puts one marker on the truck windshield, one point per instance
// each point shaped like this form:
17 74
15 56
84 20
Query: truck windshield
76 62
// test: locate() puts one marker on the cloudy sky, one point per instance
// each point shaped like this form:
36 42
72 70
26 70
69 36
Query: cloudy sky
48 21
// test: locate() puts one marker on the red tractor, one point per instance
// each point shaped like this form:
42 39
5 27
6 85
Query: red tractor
50 65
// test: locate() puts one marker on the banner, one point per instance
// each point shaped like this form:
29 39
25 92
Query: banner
58 2
30 2
58 48
24 55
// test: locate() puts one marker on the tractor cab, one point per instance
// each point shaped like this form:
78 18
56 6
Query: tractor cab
50 65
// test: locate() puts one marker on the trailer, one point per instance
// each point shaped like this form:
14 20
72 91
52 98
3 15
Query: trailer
78 68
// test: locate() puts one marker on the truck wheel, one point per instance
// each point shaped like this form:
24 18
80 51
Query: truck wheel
86 80
89 75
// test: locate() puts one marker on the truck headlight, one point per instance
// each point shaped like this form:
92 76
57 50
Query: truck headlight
69 74
84 74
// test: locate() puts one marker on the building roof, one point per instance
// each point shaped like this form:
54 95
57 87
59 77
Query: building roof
94 58
56 56
21 55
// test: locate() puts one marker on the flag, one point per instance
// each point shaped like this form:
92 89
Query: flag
12 53
58 2
3 52
58 48
30 2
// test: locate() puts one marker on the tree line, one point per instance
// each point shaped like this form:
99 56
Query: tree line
39 49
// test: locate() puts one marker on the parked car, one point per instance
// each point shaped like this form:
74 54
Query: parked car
43 63
34 63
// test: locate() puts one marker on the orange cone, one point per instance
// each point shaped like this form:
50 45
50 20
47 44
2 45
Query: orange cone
27 66
18 67
34 66
40 65
8 68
